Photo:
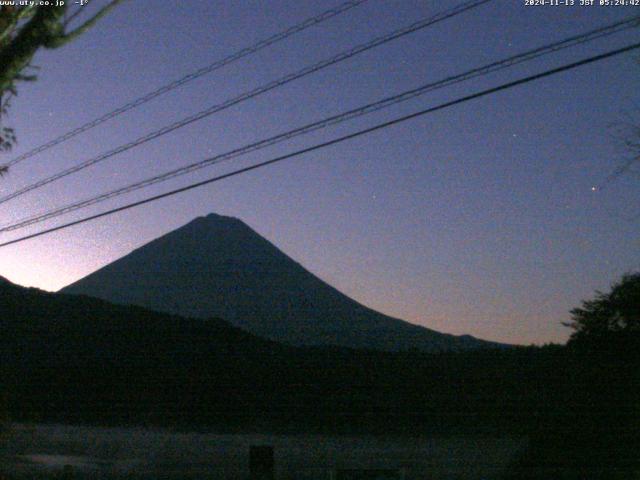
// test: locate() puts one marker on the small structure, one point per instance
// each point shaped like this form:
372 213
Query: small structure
368 474
261 464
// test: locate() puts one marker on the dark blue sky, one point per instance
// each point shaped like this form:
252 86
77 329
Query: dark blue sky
478 219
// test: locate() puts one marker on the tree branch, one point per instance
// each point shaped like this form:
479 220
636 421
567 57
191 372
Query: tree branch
37 32
60 40
9 21
73 16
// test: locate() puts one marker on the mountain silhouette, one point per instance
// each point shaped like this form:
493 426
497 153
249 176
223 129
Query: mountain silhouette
217 266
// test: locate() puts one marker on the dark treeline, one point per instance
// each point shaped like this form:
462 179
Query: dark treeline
81 360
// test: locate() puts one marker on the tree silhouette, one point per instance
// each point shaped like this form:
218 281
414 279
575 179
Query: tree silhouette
25 29
616 312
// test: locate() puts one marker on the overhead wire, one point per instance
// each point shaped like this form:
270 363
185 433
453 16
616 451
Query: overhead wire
442 106
332 120
256 47
426 22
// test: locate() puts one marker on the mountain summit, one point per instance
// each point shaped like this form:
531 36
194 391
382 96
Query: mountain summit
217 266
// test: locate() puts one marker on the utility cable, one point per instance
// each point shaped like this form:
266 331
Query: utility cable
335 119
319 146
248 95
310 22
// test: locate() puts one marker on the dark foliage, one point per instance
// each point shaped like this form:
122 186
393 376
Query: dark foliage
25 28
74 358
593 432
616 312
77 359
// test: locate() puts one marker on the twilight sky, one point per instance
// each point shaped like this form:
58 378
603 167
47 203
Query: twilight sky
478 219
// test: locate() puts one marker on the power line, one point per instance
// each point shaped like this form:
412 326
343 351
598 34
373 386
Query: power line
190 77
461 8
319 146
335 119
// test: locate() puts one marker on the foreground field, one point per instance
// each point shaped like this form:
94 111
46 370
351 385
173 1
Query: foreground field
42 451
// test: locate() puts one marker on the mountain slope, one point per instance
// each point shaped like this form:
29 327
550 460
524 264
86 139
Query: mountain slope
218 266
